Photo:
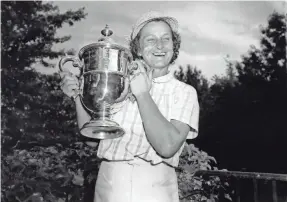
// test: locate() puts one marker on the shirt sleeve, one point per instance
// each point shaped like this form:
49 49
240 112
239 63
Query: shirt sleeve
185 108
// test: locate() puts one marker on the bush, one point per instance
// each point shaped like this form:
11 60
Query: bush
199 188
52 174
62 174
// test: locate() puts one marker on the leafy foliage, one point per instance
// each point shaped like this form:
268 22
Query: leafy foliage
29 31
47 174
35 114
192 187
200 188
29 28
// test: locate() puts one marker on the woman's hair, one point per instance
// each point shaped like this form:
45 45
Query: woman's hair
135 45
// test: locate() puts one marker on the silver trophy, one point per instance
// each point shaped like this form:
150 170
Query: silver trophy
103 71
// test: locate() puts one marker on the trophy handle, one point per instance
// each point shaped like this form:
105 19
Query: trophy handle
76 63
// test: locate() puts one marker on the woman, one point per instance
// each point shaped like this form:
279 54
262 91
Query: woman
140 166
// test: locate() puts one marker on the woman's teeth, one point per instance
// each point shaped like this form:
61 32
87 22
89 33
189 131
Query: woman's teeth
159 54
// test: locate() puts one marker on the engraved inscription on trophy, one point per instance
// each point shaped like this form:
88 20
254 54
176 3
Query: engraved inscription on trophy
105 59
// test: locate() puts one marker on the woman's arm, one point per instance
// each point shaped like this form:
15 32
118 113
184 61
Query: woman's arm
165 137
82 118
69 86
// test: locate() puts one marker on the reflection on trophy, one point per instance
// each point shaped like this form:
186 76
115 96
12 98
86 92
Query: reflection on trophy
103 70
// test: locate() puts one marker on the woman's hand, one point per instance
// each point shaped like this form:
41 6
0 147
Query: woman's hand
92 144
140 78
69 84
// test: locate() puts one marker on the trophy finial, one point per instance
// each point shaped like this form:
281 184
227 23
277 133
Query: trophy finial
107 31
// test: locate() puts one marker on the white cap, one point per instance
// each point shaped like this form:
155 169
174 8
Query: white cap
151 16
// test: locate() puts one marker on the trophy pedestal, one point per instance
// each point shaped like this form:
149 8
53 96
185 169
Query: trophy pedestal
102 129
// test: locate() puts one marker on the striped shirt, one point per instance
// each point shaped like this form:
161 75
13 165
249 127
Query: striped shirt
175 100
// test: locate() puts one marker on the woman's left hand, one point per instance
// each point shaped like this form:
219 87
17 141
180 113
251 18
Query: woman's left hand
140 78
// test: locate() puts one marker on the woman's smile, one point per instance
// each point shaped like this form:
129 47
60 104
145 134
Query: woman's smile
156 45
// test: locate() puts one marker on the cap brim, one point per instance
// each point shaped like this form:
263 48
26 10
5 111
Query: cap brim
172 22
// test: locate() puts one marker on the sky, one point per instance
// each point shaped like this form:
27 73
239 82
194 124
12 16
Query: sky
210 30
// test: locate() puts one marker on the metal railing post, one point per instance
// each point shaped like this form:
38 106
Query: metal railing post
255 177
237 190
255 186
274 191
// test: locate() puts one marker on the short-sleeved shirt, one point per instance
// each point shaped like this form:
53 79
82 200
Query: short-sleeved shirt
175 100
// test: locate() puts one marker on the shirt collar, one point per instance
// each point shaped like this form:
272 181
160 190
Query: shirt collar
164 78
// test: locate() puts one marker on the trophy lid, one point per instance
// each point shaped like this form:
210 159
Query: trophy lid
105 41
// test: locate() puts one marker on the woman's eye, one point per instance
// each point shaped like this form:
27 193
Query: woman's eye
166 39
151 40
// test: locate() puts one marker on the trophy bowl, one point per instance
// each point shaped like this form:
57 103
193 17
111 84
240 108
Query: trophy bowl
103 73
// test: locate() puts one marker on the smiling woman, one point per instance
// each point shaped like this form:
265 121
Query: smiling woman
167 111
156 47
140 165
152 40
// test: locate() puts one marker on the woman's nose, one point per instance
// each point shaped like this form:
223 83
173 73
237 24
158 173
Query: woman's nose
159 44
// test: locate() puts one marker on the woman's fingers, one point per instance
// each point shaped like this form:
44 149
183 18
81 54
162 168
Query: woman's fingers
135 75
140 66
69 83
65 74
68 77
133 67
69 89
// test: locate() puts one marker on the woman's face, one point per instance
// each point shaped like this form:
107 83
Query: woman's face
156 45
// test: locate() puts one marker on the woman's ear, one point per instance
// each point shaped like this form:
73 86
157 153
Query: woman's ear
139 53
139 48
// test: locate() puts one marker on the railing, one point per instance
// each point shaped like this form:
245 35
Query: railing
271 183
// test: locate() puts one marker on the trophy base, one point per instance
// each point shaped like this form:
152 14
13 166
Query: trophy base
102 129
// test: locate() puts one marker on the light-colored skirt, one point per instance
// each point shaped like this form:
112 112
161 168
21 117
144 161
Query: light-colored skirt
136 181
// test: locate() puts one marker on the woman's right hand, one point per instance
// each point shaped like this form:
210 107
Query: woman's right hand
69 84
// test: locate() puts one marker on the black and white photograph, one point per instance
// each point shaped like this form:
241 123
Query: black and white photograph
143 101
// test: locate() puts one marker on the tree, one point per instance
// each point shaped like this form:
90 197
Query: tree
28 34
197 188
269 62
246 108
263 76
263 92
39 132
251 109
